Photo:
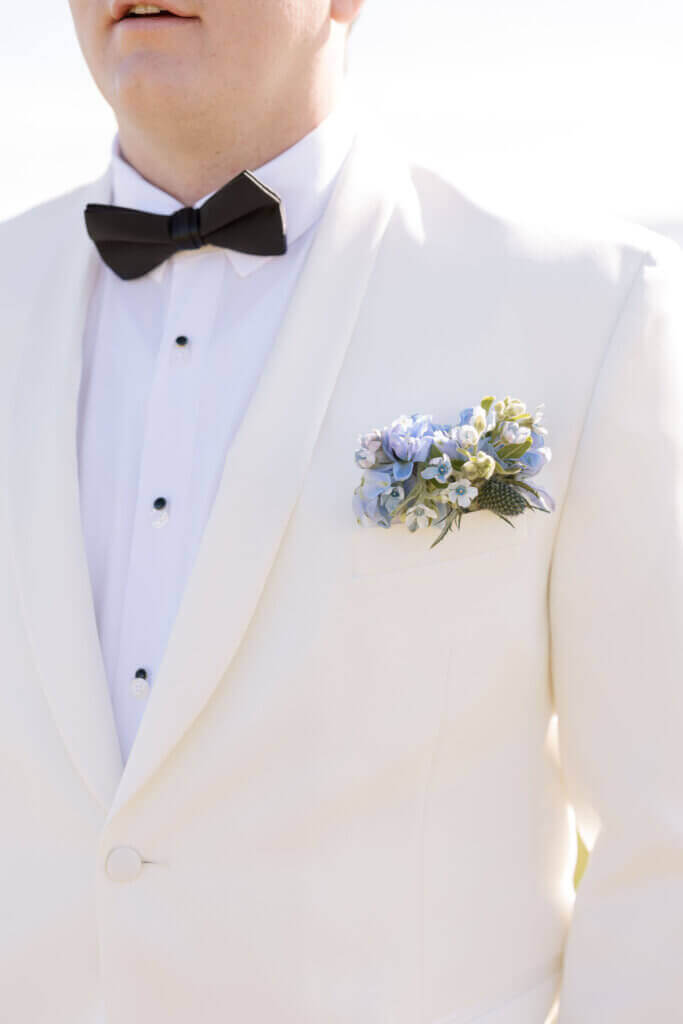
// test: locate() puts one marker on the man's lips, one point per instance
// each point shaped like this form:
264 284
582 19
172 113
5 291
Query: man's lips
120 11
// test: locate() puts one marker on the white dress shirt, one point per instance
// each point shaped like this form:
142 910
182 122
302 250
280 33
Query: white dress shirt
170 361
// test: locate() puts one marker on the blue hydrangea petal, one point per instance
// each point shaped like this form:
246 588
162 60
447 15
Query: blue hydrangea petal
423 448
374 482
532 462
546 498
402 470
450 447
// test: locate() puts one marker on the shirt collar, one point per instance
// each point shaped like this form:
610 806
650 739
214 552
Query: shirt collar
303 177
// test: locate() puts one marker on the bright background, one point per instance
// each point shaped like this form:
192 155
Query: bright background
543 103
540 104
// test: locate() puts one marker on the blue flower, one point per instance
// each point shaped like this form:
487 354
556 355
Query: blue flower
490 449
438 469
420 516
535 458
368 446
460 492
366 504
545 498
406 441
376 498
447 440
389 459
456 441
391 498
513 433
477 422
401 471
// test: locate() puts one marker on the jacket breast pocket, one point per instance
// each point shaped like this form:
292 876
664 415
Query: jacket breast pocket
376 550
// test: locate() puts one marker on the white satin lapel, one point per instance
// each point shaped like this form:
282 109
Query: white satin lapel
241 538
43 492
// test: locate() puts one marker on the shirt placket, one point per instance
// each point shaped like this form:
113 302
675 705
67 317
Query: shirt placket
163 518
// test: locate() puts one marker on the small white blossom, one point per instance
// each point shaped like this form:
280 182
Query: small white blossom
391 497
512 433
478 420
479 465
468 435
515 409
439 468
420 516
366 458
460 492
368 446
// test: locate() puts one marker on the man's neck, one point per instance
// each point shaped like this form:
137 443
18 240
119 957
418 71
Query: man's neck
190 161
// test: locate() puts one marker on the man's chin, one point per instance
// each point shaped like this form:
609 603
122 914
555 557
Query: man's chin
154 84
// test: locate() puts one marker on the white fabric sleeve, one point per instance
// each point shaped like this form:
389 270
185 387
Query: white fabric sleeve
616 620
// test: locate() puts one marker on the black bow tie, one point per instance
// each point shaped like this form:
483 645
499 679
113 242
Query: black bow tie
244 215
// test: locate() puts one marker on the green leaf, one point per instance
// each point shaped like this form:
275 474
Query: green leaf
414 498
506 451
487 402
515 451
527 487
501 516
448 522
502 471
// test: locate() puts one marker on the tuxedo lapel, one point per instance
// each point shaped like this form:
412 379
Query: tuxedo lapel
282 422
47 541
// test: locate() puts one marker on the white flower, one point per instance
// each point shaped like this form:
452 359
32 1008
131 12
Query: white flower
368 446
365 458
439 468
515 409
511 407
460 492
512 433
391 497
419 516
478 420
481 465
468 435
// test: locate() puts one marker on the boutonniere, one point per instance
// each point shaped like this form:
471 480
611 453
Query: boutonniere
425 474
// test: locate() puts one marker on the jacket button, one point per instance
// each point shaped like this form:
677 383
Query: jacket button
160 515
139 686
124 864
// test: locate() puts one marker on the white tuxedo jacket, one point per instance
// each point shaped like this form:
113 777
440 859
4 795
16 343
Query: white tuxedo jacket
344 804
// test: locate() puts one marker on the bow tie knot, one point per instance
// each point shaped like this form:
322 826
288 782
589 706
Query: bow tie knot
183 227
244 215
